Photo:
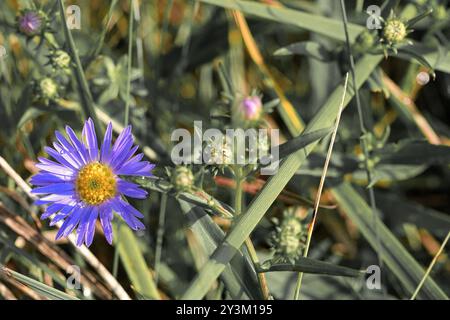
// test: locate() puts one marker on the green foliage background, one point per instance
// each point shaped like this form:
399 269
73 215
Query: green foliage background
163 64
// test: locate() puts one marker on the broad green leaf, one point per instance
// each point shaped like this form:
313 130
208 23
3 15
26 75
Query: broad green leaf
397 258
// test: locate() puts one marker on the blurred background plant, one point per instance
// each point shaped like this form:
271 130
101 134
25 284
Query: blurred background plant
163 64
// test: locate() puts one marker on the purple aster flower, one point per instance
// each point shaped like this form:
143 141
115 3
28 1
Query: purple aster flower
252 106
30 23
84 183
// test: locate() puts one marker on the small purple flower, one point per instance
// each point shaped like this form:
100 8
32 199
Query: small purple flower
30 23
84 183
252 106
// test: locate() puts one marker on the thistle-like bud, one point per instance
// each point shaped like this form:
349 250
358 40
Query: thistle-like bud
60 59
289 240
31 22
252 108
394 31
364 42
219 152
182 178
47 89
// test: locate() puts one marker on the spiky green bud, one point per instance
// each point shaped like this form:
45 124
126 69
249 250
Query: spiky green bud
394 31
183 178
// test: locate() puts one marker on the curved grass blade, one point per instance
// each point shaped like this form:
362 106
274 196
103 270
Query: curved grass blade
239 277
315 23
301 141
399 261
308 265
35 285
306 48
134 262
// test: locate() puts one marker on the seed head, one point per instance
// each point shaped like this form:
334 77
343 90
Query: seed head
394 31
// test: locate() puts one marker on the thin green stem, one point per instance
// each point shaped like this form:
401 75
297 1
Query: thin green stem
364 145
87 102
165 27
101 39
238 191
160 234
433 262
115 268
320 189
239 178
130 59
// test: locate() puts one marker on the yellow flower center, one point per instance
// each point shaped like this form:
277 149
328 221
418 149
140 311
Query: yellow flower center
96 183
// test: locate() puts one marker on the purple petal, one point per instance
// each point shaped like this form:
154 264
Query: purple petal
51 198
106 146
106 216
90 229
122 139
91 139
79 147
119 159
131 189
61 215
58 157
70 156
126 212
51 209
68 148
143 168
66 188
43 179
70 223
82 227
54 167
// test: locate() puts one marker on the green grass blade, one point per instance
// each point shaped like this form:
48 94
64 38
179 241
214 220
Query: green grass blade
315 23
301 141
87 102
321 25
35 285
247 222
308 265
396 257
134 262
238 277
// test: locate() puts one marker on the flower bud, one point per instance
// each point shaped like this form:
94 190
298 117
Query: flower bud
47 89
290 238
252 108
60 59
31 22
394 31
182 178
364 42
